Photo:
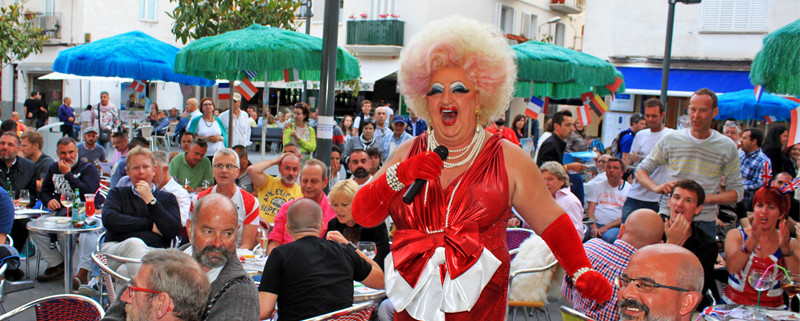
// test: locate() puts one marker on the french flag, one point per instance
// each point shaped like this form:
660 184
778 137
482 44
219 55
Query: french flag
770 119
758 91
535 107
138 85
224 91
247 89
793 137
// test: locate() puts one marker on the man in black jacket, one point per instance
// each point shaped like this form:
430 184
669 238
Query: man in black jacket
139 217
19 174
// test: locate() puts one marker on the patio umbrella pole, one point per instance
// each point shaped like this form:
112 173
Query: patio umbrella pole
230 114
265 96
328 76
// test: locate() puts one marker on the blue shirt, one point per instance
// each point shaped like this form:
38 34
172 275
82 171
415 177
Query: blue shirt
625 142
64 113
416 128
162 125
391 142
6 212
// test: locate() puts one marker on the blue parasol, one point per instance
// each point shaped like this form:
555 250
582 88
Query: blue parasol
741 105
128 55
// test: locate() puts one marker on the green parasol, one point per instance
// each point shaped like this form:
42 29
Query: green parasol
260 49
777 66
557 72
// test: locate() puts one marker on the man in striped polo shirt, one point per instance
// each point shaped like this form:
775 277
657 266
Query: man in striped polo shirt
698 153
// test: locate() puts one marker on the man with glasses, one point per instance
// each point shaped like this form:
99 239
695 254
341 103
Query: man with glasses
644 228
661 282
169 286
685 202
226 170
192 167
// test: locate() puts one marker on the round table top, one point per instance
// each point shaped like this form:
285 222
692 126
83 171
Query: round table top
42 225
363 293
27 213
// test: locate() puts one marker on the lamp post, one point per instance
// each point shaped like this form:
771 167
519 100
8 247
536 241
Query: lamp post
668 47
548 22
308 15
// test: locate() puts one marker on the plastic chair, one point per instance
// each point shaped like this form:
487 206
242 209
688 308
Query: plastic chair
166 137
61 307
568 314
514 238
537 305
147 133
358 312
107 274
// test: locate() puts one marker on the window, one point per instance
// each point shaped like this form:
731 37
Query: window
504 18
382 7
529 24
318 11
49 7
734 16
560 34
148 10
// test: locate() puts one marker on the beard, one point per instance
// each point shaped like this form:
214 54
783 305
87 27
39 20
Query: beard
361 173
210 261
623 303
132 314
499 122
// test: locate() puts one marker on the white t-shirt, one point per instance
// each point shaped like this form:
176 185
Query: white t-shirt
643 143
204 130
241 130
609 201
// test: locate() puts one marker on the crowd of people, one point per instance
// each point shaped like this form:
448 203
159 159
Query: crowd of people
448 257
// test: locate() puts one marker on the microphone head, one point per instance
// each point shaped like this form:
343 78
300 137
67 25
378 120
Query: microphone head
441 151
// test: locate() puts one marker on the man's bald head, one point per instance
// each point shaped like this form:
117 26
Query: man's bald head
304 216
681 263
643 227
214 205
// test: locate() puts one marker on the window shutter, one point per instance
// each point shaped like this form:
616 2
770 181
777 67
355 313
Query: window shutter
710 13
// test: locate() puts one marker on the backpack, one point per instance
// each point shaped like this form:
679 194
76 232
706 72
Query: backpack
616 147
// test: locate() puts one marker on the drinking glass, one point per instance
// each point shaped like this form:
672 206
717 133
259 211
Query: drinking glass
368 248
89 204
761 280
791 286
24 197
206 184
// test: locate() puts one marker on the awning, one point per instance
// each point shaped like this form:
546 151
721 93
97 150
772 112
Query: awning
683 82
373 70
61 76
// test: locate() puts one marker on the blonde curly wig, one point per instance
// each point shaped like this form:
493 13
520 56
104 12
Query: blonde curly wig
478 49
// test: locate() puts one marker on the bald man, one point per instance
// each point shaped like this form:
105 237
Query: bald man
644 227
662 282
312 276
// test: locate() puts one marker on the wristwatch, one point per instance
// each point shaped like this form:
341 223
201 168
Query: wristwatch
152 201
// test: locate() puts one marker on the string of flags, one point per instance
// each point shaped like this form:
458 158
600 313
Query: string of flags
584 115
138 85
591 101
224 91
246 87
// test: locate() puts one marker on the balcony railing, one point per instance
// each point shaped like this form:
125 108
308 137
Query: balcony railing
567 6
383 32
50 23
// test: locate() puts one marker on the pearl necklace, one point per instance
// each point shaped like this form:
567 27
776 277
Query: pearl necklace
474 147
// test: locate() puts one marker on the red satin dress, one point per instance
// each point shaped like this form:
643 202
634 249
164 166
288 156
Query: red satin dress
478 218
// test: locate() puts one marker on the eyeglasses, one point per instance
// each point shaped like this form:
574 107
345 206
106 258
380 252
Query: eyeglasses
226 166
643 285
132 289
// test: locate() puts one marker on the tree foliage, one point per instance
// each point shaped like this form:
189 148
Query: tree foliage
197 19
19 36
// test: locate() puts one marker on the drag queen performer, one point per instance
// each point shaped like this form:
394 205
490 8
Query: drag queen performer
449 260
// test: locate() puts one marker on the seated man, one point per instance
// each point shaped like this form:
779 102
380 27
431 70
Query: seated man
68 174
644 227
153 294
140 217
212 230
312 276
192 167
661 282
162 123
226 169
605 200
118 171
685 202
88 150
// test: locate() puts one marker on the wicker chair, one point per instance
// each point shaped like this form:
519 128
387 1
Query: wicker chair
62 307
514 238
358 312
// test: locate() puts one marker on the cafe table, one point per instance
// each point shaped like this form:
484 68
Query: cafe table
49 225
722 312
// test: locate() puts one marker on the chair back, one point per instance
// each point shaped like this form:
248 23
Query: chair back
568 314
514 238
147 131
171 129
61 307
358 312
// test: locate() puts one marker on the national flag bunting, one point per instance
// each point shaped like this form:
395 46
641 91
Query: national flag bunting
600 103
793 137
584 115
586 98
535 106
250 74
766 174
791 186
594 102
615 85
770 119
187 90
224 91
546 104
291 75
247 89
758 91
138 85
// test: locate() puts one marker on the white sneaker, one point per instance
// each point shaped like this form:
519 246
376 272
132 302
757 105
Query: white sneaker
92 289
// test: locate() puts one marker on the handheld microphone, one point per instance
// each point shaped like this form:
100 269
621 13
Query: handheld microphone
412 191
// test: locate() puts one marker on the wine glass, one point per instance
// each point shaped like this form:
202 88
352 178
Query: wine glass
67 199
206 184
24 198
368 248
791 286
761 280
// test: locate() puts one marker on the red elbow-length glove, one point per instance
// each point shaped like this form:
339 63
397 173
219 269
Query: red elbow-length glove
562 239
371 204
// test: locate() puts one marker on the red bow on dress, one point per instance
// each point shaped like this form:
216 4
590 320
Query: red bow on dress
412 249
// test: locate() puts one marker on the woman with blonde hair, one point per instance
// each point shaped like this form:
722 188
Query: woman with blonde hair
344 229
449 257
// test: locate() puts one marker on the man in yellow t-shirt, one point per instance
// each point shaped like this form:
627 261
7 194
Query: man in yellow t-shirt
272 192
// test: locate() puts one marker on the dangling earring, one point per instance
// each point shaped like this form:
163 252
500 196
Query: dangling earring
477 112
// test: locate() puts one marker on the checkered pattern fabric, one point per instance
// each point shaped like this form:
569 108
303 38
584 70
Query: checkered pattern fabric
362 315
65 310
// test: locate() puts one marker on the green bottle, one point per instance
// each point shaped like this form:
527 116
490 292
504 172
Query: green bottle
9 189
77 216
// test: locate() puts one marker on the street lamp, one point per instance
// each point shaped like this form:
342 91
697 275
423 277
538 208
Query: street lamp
307 6
551 21
668 47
